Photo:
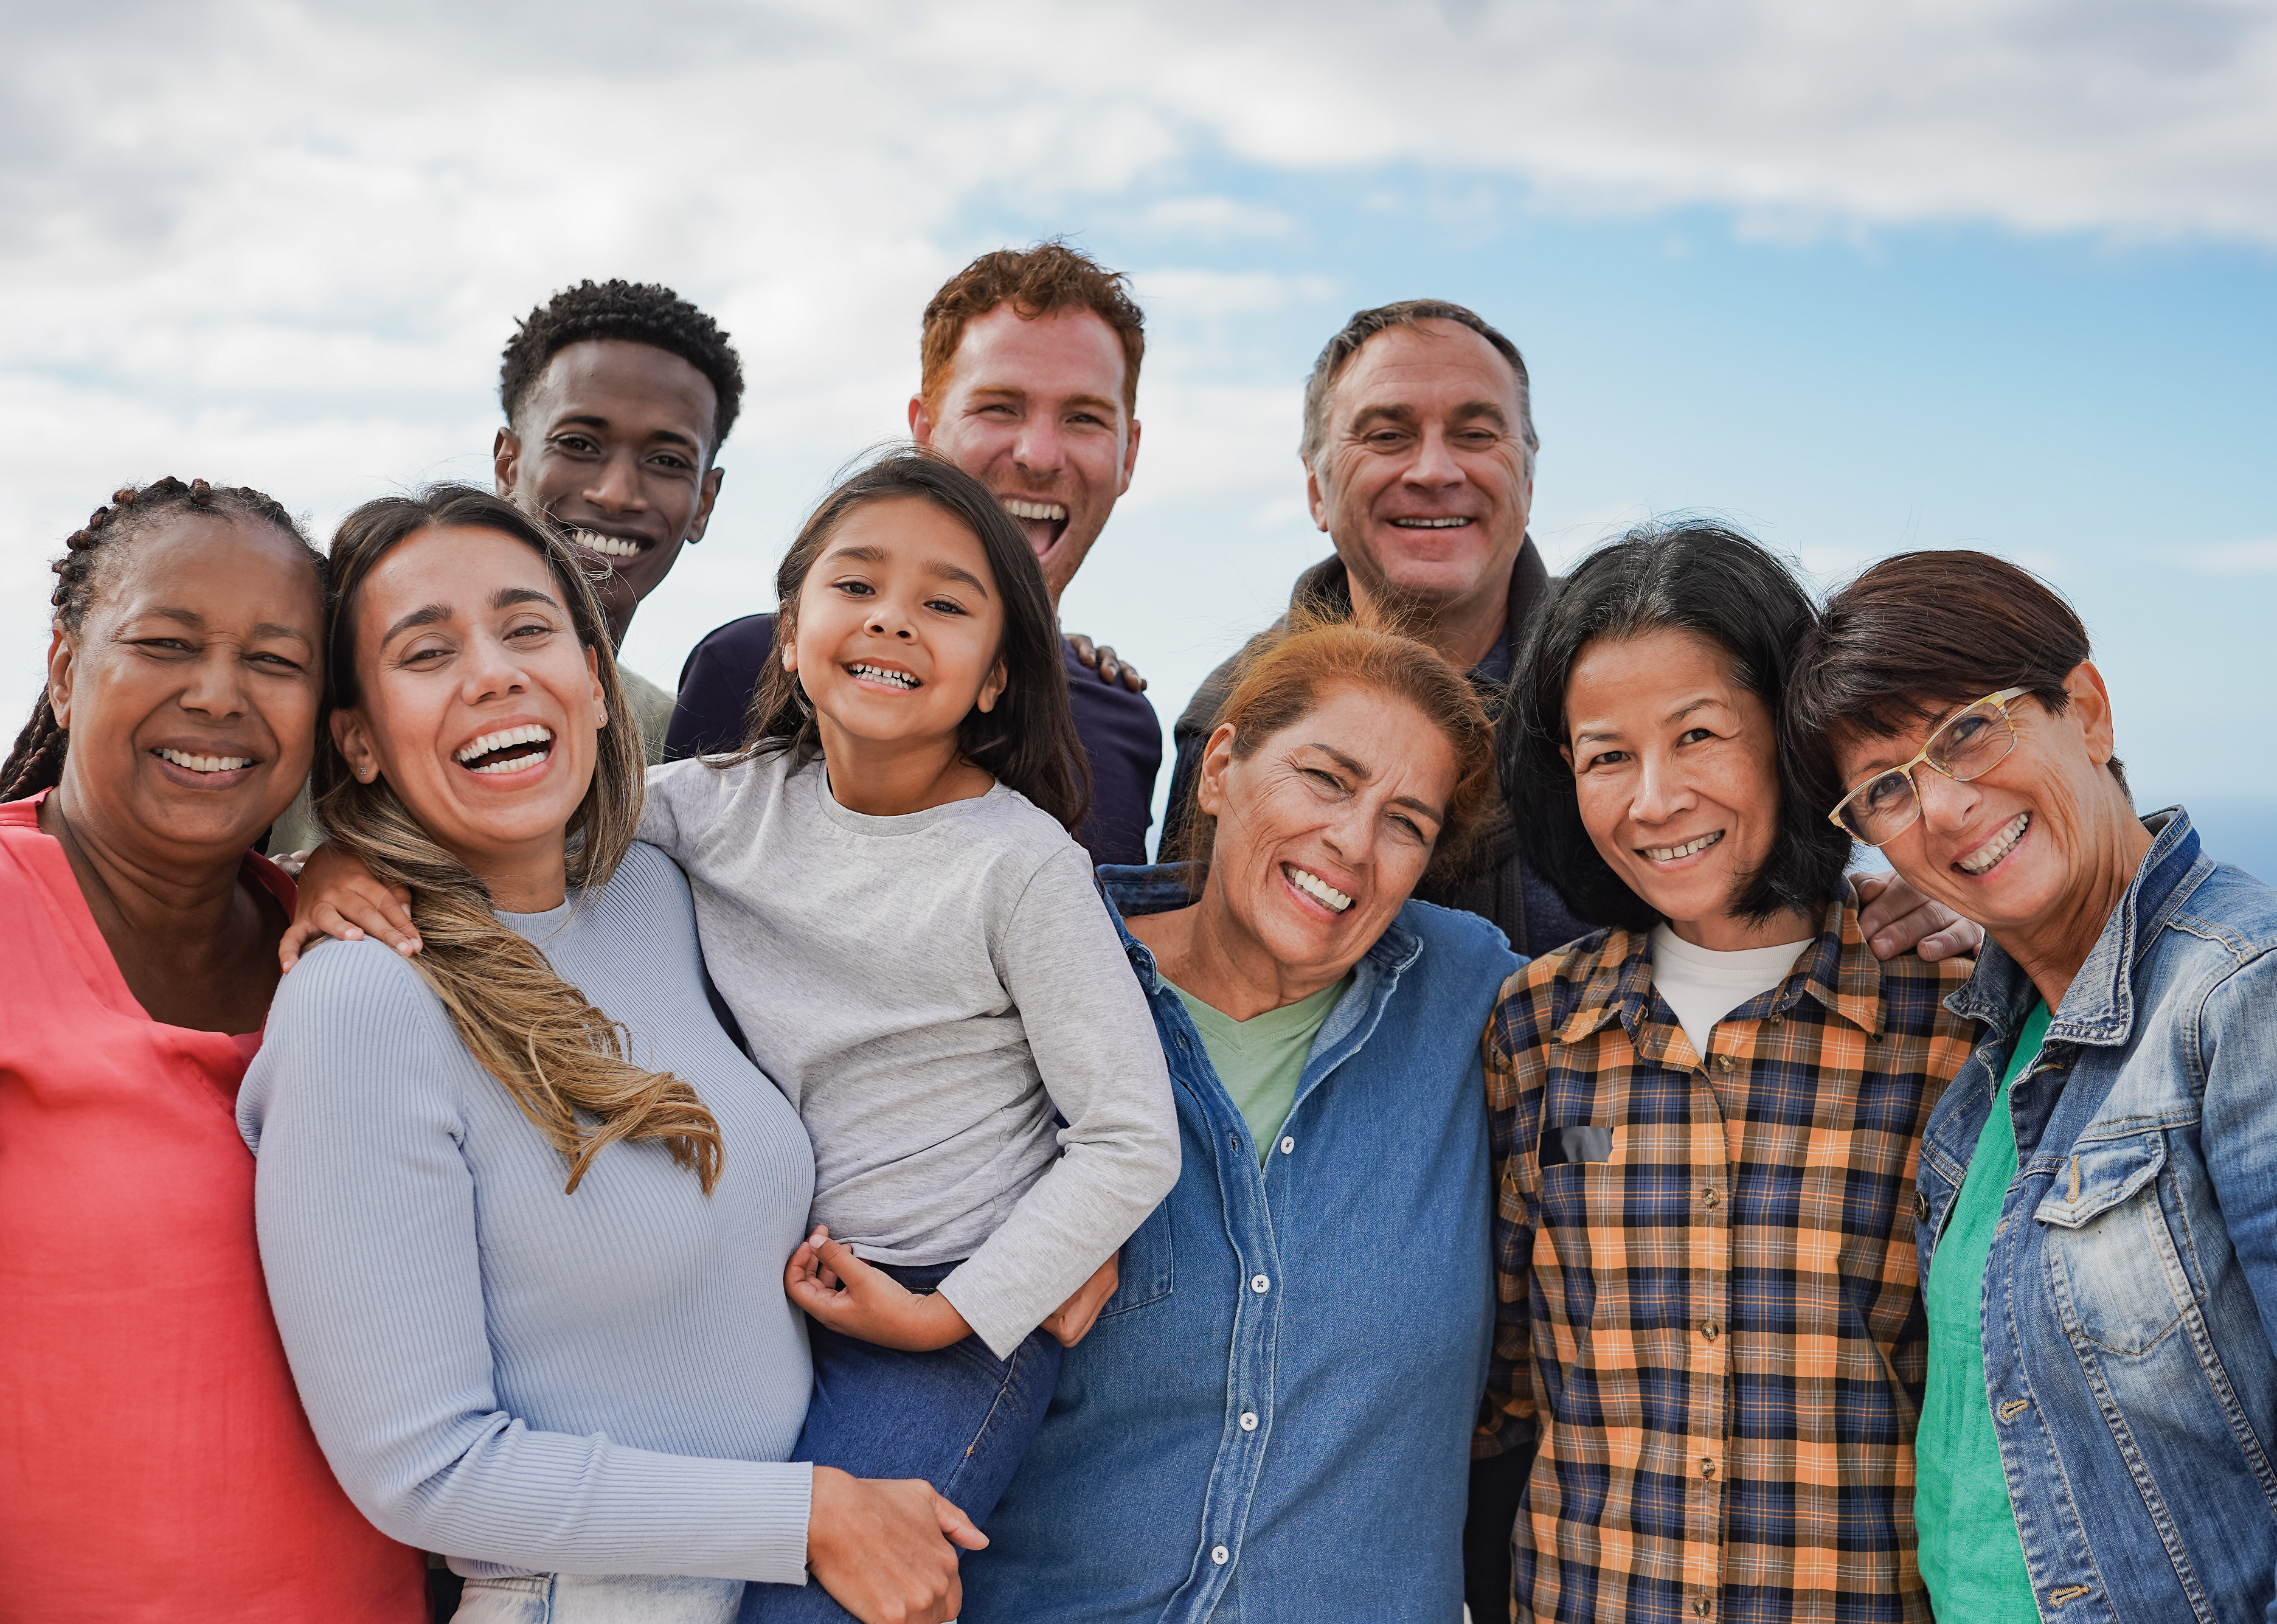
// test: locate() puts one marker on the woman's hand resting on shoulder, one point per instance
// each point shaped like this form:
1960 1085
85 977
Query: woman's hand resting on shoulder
886 1550
339 898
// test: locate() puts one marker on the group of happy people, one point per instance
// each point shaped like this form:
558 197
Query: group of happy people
775 1147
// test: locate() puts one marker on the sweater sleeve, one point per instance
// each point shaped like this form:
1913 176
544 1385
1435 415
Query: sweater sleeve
366 1210
1093 1041
659 820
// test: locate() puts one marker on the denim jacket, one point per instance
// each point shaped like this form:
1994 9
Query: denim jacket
2130 1300
1271 1420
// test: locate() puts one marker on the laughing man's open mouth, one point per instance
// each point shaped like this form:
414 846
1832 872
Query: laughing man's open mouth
1042 523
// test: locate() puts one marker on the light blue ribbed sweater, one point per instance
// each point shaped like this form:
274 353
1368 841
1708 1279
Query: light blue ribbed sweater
525 1380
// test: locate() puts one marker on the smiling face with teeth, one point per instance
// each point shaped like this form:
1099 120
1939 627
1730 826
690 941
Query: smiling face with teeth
1423 479
614 443
190 689
1676 770
897 636
2038 848
1034 408
476 703
1323 831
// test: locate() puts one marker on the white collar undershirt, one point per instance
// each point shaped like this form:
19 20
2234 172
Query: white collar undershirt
1702 986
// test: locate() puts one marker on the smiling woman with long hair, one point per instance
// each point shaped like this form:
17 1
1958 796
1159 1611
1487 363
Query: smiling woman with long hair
522 1202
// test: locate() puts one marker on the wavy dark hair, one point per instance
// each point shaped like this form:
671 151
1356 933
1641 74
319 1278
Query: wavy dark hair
1679 575
1028 741
562 1060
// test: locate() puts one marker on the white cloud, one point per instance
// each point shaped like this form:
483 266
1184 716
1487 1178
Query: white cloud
2235 558
281 242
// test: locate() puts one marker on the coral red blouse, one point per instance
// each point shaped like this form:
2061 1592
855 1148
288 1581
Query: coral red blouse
155 1463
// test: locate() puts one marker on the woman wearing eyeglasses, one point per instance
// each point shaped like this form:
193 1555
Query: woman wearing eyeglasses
2097 1206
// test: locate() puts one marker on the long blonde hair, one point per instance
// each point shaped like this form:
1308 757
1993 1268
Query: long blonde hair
561 1059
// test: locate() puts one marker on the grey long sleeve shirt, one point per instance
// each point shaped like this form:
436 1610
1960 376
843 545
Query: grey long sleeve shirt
927 990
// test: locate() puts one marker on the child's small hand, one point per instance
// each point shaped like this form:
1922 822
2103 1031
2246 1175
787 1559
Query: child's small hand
848 1295
1072 1319
339 898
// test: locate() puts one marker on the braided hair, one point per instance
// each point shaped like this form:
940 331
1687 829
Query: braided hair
36 762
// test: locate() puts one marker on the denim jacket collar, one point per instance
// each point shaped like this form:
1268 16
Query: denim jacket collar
1133 890
2098 1010
1158 888
1840 971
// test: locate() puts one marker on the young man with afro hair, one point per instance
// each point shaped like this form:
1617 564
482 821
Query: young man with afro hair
617 395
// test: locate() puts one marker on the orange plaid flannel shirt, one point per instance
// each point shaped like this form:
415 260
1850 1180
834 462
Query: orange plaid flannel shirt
1708 1319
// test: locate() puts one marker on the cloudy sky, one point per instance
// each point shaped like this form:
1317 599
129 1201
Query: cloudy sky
2000 273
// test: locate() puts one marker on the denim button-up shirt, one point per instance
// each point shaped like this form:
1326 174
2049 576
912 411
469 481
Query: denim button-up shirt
2131 1297
1271 1420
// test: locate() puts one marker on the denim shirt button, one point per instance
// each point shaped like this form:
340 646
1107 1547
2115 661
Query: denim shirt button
1221 1555
1287 1145
1249 1421
1259 1284
1921 1205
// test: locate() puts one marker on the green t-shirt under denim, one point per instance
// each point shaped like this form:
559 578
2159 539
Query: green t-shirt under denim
1261 1060
1970 1556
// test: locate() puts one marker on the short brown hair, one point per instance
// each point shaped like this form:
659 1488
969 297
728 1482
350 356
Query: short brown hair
1365 325
1286 674
1036 282
1919 634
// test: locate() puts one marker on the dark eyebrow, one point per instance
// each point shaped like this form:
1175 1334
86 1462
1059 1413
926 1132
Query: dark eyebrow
1359 770
942 569
428 614
506 597
1369 415
1701 704
594 420
261 631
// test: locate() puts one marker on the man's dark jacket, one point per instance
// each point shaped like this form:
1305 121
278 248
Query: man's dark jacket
1498 885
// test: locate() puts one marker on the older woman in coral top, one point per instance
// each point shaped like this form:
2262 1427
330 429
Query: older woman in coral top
155 1463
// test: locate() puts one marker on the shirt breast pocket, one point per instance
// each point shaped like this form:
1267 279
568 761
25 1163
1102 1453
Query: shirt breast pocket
1144 1271
1578 1256
2119 1282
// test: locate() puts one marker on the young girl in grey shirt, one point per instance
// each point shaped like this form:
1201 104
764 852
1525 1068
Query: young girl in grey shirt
891 905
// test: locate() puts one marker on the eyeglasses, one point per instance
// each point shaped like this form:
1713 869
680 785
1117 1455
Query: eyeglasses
1966 745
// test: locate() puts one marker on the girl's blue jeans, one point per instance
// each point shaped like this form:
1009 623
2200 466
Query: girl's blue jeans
959 1417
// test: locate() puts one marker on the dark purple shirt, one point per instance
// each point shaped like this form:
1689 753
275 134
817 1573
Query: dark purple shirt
1118 729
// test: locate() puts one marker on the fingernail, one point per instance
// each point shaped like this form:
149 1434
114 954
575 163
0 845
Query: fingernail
354 934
